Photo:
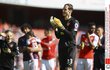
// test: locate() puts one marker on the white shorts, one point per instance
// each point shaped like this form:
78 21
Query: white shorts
48 64
85 64
31 65
19 62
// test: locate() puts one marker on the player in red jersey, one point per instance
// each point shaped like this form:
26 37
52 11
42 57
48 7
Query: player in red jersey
49 51
88 42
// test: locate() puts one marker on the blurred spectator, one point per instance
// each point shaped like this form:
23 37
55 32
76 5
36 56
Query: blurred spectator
18 62
17 32
6 26
8 50
100 50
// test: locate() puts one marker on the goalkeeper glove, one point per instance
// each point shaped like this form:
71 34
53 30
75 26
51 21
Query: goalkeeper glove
52 22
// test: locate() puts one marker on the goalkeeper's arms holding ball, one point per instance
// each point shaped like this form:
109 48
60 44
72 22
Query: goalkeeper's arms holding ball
66 31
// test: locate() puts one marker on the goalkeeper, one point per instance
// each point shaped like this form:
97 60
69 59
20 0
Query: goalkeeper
66 32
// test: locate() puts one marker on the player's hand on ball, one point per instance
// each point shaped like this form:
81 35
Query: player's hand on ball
52 22
58 22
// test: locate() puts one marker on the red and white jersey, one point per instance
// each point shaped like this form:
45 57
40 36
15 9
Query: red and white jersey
49 48
87 51
33 42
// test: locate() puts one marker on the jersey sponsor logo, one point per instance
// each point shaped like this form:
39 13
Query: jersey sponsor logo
76 25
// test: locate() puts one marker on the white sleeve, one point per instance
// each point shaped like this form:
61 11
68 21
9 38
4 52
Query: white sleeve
76 25
28 42
38 40
1 37
95 42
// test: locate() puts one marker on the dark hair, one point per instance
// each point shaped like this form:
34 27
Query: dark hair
24 26
70 6
48 29
30 33
91 24
102 27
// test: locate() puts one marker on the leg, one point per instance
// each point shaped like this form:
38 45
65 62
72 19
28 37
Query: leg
89 64
26 65
36 64
52 64
62 64
19 62
103 67
96 61
43 67
80 64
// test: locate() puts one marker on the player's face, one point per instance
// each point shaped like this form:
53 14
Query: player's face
93 28
47 33
9 36
66 11
26 30
99 31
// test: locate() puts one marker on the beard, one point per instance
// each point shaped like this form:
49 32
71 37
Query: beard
65 14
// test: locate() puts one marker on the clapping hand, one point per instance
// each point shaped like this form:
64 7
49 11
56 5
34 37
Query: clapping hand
52 22
55 22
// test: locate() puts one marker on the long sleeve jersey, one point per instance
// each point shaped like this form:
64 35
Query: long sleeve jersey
67 36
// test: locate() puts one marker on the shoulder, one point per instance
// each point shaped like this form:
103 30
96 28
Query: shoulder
96 36
37 39
2 41
44 39
103 36
74 20
22 37
14 43
74 23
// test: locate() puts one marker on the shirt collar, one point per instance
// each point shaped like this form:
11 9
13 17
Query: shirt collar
101 36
